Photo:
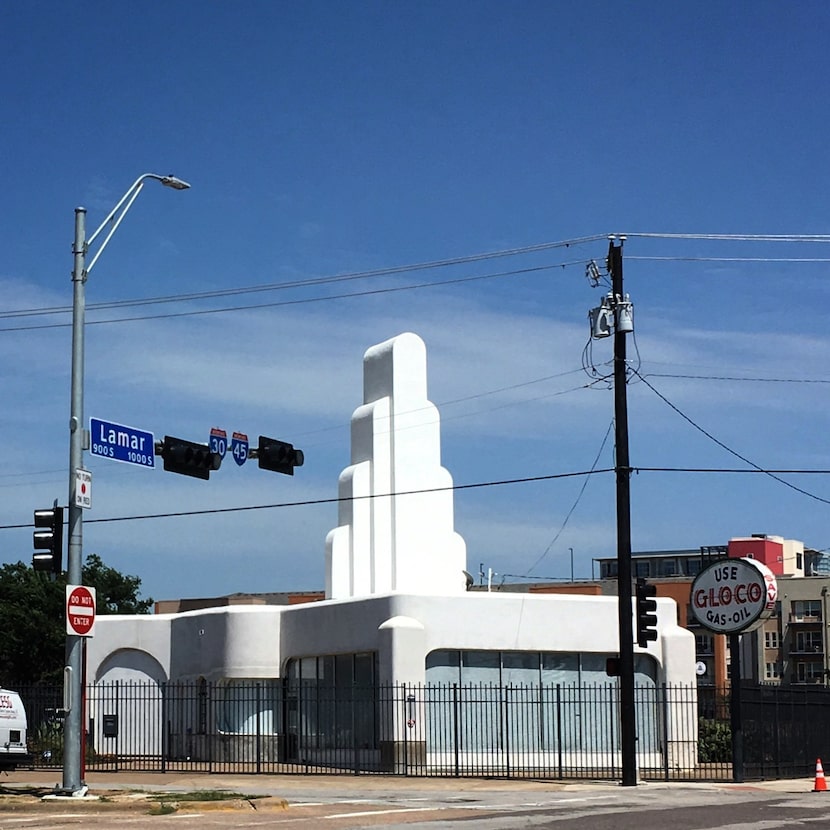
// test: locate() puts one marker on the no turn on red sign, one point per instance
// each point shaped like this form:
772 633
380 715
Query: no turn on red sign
80 610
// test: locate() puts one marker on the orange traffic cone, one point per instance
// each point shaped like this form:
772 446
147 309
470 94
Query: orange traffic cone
821 783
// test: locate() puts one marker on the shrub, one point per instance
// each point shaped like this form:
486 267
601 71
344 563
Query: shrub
714 741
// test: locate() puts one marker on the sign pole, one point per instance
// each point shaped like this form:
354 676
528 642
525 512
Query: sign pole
84 719
731 596
735 709
72 781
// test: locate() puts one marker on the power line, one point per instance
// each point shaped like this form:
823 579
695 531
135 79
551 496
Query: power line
734 379
335 500
756 471
454 487
450 261
313 281
729 449
303 301
727 259
735 237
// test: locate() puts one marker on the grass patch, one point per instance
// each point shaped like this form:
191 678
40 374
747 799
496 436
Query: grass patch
202 795
169 802
162 810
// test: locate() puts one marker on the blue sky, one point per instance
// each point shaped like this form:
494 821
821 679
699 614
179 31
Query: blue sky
331 138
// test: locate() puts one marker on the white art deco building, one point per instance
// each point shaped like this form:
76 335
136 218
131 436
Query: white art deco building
397 614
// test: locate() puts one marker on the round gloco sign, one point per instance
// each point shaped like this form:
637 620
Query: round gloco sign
733 595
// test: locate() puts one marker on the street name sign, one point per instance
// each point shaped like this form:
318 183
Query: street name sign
80 610
121 443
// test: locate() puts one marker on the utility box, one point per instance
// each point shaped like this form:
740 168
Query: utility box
110 726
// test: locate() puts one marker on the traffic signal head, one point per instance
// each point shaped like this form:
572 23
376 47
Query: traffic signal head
188 458
278 456
646 613
48 541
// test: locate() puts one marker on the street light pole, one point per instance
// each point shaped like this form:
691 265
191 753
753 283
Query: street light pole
78 442
72 679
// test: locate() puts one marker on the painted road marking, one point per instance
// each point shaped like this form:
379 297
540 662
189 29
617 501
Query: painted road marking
365 813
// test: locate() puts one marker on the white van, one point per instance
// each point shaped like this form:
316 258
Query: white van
13 750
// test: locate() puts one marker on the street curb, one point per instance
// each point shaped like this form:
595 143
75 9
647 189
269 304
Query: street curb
130 801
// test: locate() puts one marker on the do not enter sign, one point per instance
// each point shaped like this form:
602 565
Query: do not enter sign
80 610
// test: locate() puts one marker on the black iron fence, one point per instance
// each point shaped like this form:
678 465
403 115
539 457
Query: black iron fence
785 730
556 732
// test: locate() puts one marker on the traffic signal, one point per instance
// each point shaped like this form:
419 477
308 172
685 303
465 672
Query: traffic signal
646 613
48 542
279 456
189 458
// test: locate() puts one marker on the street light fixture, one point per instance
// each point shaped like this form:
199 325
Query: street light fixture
78 442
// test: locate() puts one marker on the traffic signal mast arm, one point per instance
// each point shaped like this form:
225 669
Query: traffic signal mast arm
191 459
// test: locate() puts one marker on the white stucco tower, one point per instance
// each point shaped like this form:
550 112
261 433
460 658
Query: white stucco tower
395 516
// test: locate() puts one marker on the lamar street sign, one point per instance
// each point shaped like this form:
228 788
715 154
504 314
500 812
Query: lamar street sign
121 443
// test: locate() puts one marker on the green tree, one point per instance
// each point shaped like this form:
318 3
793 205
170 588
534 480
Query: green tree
32 616
31 619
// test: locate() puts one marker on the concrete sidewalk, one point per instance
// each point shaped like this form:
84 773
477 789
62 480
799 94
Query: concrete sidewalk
292 787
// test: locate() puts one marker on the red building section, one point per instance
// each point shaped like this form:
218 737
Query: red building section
766 551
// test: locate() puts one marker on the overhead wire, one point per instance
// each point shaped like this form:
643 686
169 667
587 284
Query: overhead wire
725 259
302 300
335 499
394 270
314 281
733 237
453 487
734 379
729 449
822 238
451 261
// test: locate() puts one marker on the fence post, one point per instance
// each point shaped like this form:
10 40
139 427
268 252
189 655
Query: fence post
117 721
258 728
456 725
777 734
165 726
559 727
355 744
664 727
614 719
507 729
210 689
402 723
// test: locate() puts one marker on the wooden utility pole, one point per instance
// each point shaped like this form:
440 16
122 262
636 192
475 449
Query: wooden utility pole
628 726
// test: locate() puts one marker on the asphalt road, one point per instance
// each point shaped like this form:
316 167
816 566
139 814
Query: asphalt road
449 804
